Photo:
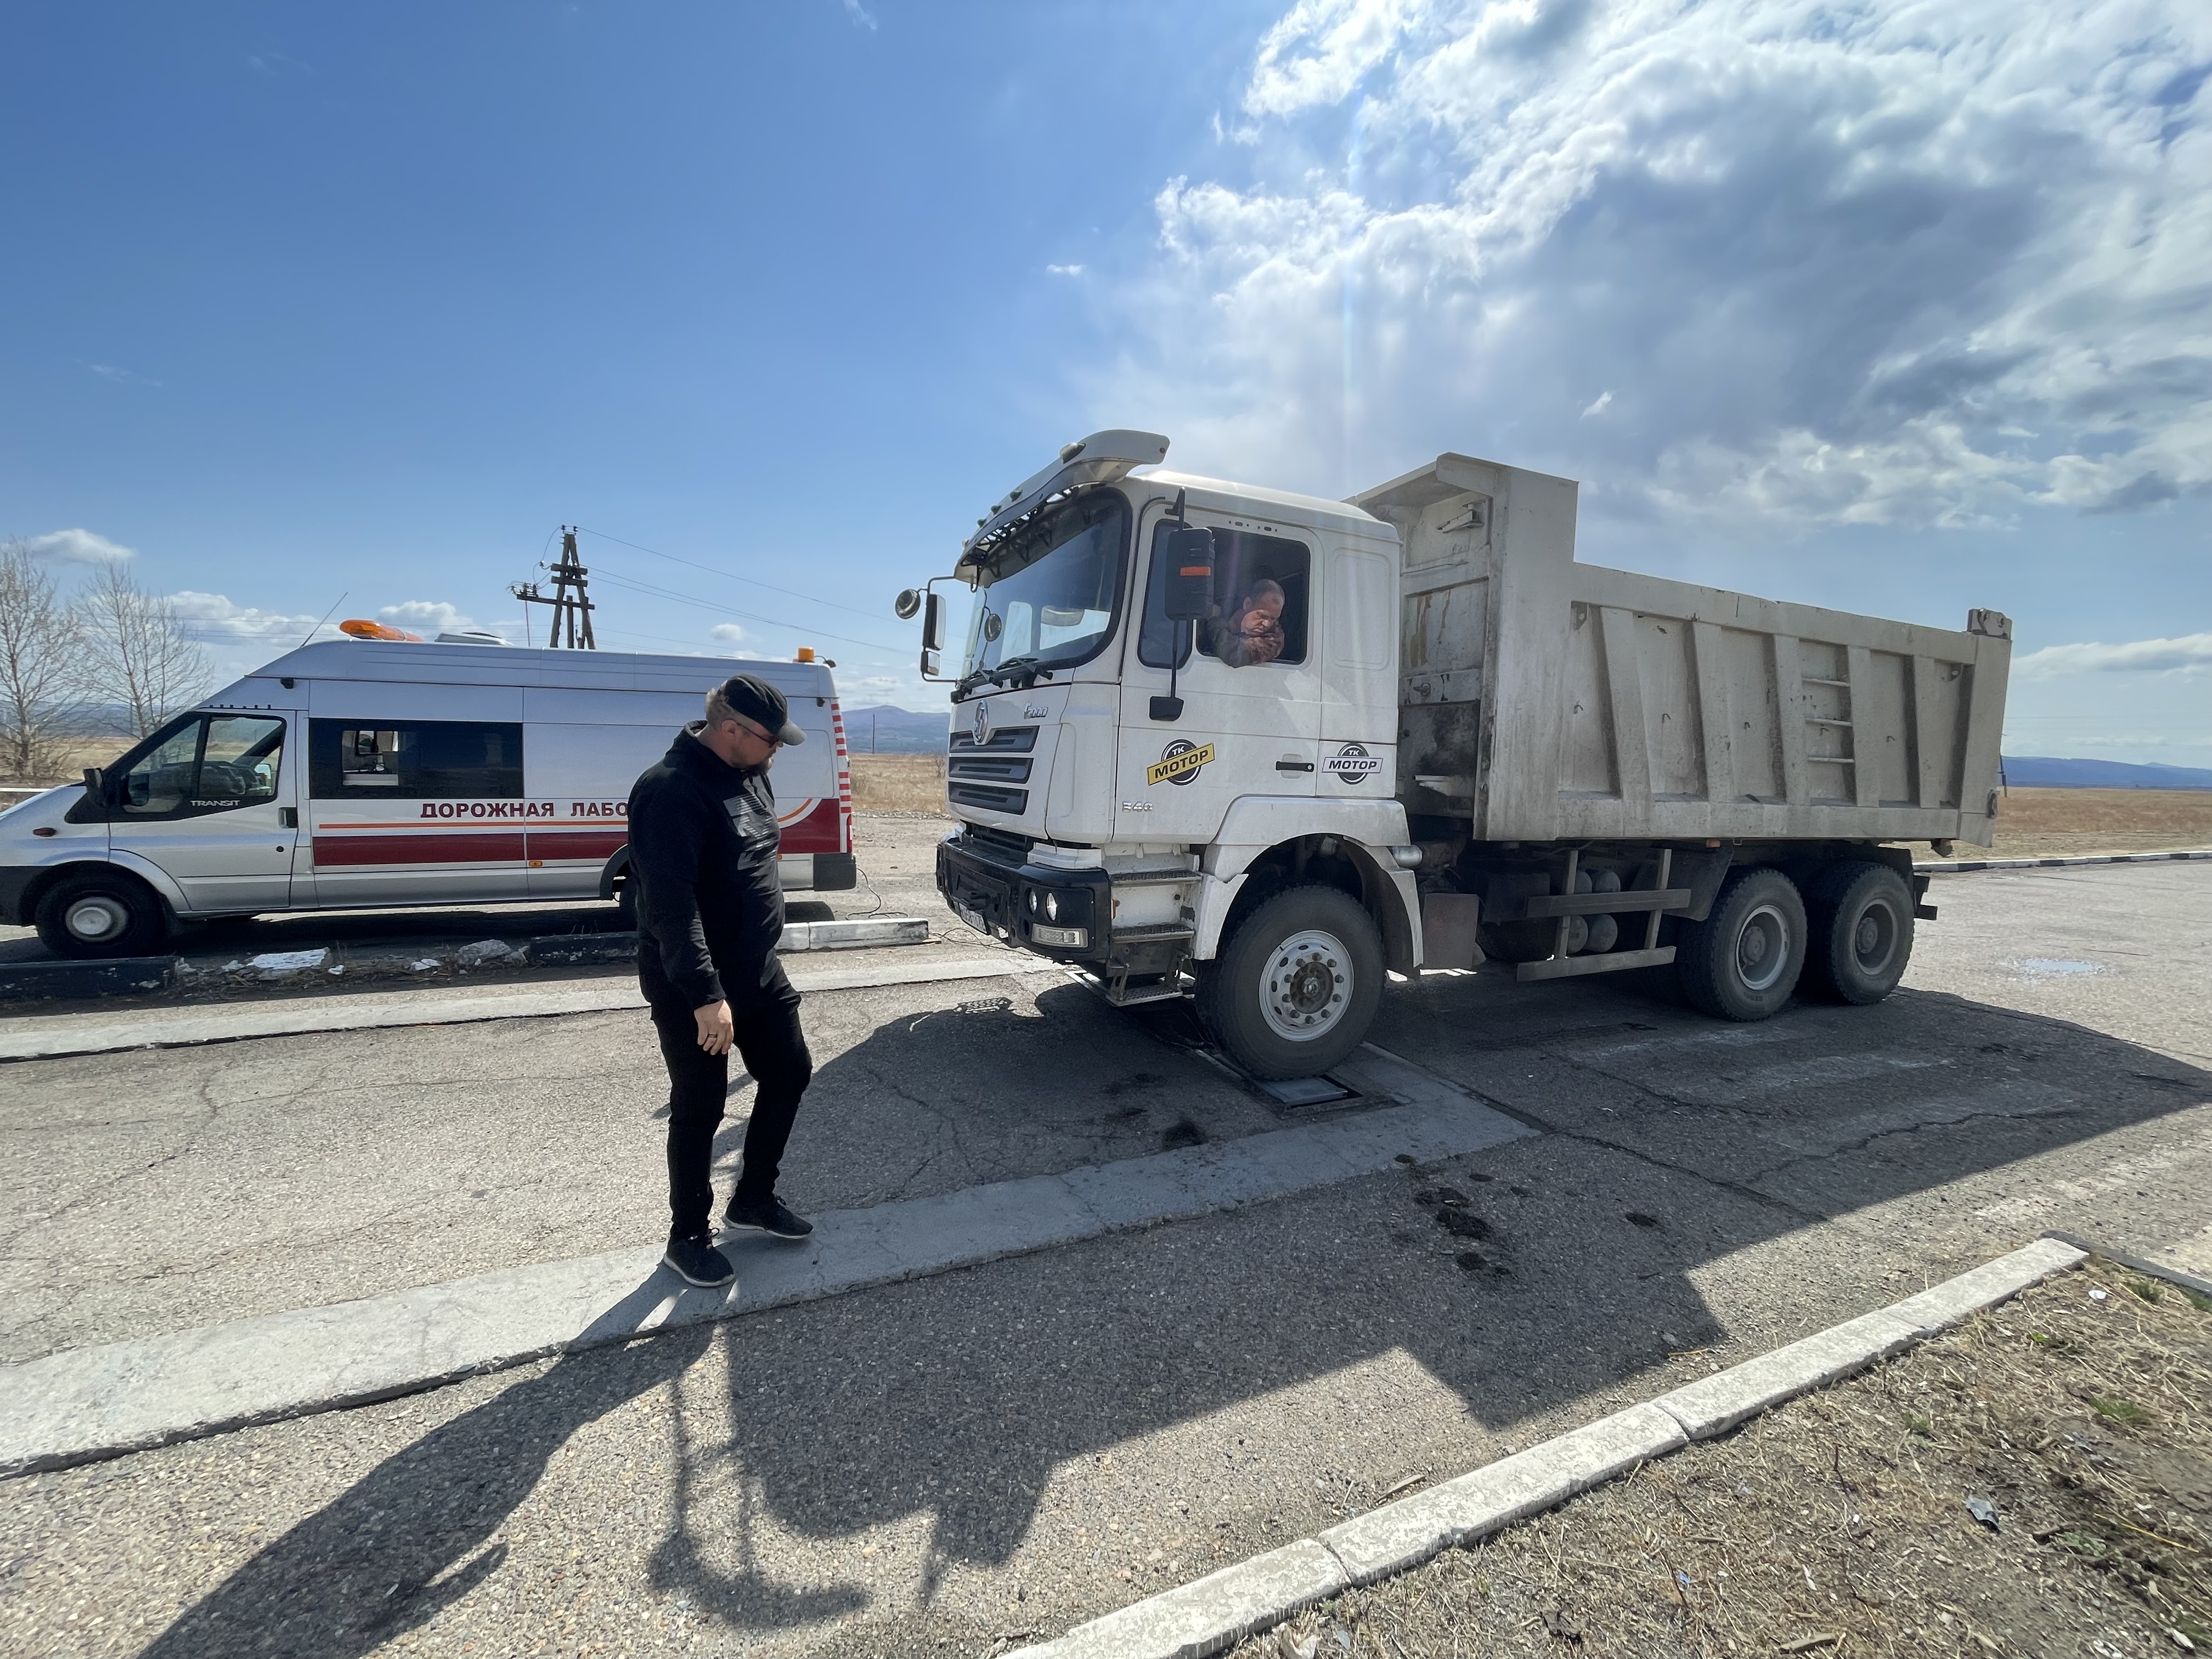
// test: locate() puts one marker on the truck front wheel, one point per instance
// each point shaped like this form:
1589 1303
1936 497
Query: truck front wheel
1743 960
1295 986
1861 933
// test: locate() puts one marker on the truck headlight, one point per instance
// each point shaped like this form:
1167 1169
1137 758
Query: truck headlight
1051 907
1032 901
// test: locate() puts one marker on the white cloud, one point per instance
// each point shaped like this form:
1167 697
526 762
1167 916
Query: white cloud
1919 263
728 633
2189 651
214 618
428 618
860 13
1064 270
1598 404
120 375
78 546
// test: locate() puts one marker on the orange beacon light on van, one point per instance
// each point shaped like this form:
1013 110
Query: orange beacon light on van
361 629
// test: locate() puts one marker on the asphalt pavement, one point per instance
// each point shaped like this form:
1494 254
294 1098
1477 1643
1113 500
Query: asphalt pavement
956 1463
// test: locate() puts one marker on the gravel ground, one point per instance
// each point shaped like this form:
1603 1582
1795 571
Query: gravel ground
1840 1524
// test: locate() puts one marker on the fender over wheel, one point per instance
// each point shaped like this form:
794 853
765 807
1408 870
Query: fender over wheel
1743 960
1296 984
99 913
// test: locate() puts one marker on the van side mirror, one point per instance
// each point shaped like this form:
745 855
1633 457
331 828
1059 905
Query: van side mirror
1189 596
92 782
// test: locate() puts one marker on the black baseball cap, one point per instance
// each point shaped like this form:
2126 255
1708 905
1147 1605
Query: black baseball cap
764 705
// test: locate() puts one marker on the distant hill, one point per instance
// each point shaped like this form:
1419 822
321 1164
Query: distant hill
2043 772
885 729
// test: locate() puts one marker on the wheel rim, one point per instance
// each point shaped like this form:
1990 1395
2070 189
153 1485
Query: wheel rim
1874 939
96 919
1307 985
1762 948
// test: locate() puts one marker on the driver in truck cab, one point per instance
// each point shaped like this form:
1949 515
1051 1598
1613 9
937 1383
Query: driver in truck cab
1252 632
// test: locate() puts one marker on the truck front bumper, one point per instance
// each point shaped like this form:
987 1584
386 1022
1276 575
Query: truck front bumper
1065 914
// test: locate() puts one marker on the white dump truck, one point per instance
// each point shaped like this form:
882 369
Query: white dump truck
1261 749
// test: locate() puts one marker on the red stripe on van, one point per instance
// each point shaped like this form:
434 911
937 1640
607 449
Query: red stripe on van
600 844
818 832
501 848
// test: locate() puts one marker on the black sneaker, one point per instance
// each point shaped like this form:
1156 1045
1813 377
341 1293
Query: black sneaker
769 1216
698 1263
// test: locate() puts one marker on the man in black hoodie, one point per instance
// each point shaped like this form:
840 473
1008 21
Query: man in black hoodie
703 850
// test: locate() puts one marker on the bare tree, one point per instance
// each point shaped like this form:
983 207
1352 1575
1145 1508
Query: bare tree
41 668
137 656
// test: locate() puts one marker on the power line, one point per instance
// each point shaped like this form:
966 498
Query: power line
772 621
732 576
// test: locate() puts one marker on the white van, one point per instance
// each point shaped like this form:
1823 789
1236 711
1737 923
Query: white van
373 773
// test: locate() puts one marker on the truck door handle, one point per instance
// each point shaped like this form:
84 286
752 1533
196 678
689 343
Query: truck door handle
1294 766
288 817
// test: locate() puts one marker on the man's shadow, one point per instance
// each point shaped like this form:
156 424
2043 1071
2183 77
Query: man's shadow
416 1534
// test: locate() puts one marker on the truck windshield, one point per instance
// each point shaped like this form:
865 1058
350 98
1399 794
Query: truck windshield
1049 600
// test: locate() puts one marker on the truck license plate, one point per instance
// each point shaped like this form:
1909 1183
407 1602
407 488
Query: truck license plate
973 918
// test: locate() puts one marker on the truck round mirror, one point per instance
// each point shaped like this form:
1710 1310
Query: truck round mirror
907 603
992 627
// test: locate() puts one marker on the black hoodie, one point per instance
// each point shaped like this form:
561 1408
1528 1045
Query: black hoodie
703 850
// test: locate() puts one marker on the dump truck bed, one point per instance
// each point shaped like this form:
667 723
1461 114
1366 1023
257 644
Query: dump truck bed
1544 700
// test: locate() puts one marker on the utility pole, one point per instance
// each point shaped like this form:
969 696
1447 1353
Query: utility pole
572 611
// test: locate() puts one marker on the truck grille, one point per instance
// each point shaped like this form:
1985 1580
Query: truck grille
1006 741
987 796
1002 846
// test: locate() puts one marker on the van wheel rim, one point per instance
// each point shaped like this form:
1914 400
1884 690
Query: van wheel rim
1762 948
96 919
1307 985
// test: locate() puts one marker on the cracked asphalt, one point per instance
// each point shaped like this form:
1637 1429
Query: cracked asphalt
945 1465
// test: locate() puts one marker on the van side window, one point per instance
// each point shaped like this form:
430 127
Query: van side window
414 760
1262 588
203 763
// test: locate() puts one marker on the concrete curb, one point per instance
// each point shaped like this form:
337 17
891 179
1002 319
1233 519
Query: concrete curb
28 981
1962 867
85 1404
1217 1611
39 1039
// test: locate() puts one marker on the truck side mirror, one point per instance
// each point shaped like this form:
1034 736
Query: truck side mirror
909 602
932 636
1189 596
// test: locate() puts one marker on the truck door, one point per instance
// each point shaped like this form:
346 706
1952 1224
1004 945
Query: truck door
1251 694
211 802
1360 706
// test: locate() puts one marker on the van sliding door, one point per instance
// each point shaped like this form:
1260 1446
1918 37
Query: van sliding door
417 812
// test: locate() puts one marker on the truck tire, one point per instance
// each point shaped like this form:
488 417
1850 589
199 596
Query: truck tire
1859 932
1743 960
99 914
1295 987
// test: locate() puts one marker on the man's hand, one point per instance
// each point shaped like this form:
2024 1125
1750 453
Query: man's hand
716 1030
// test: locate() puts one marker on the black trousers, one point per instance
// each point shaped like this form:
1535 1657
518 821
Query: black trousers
774 1050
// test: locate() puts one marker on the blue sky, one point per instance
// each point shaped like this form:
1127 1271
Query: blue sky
1900 309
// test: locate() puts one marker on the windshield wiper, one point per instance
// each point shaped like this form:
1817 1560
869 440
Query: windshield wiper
1000 674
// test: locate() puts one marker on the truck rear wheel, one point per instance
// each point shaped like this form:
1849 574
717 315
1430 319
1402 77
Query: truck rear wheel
99 914
1295 985
1743 960
1860 922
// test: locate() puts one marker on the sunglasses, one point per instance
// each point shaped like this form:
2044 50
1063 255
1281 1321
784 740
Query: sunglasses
750 730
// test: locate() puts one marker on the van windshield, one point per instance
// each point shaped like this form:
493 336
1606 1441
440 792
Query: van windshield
1049 600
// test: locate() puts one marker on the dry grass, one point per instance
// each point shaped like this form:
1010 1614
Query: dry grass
1837 1525
2049 822
898 783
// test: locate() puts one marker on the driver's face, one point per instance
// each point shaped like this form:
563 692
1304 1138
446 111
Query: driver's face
1261 613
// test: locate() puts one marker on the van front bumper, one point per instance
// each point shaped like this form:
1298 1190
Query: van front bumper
1065 914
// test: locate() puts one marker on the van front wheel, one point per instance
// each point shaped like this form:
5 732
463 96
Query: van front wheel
1295 985
97 914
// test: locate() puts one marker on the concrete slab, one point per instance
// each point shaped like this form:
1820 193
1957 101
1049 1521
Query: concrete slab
1211 1614
35 1039
1404 1534
84 1404
1715 1404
